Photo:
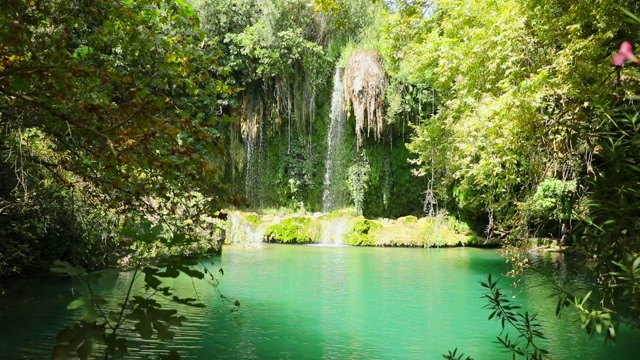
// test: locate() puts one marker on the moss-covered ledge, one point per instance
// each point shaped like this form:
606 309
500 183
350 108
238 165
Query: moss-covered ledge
345 227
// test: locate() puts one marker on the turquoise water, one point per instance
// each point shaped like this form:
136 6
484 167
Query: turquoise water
312 302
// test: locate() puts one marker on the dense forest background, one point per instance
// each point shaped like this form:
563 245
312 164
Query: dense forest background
508 115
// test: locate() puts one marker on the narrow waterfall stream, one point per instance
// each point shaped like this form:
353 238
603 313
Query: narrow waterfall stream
253 139
335 139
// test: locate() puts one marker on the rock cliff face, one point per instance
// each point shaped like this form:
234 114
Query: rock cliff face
294 148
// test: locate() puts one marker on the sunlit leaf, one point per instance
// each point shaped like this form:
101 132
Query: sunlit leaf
77 303
89 314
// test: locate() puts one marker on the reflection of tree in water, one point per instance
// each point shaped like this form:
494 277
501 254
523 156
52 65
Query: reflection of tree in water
562 268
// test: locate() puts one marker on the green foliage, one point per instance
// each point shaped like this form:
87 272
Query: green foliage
604 306
614 201
127 96
527 326
393 189
610 228
296 230
253 219
474 240
110 118
298 172
104 108
56 223
358 181
510 85
361 233
458 225
350 211
186 229
453 355
552 199
102 320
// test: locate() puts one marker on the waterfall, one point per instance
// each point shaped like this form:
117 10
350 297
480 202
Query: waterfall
333 231
253 138
335 139
240 230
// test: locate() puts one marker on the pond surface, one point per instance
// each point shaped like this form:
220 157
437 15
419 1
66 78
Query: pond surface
313 302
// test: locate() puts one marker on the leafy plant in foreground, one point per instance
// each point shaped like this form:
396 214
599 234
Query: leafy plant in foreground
613 300
102 322
453 355
526 326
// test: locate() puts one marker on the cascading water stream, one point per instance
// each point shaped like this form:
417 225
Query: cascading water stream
253 139
335 139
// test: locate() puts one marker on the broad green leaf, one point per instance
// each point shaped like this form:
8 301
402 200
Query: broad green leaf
77 303
89 314
189 301
144 328
163 331
192 273
176 320
169 272
152 281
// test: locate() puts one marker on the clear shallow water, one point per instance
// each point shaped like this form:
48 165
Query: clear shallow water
311 302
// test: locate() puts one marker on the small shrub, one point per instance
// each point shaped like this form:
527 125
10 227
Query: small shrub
458 226
293 230
361 233
474 240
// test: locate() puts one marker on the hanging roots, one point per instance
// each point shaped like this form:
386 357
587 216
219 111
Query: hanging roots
365 84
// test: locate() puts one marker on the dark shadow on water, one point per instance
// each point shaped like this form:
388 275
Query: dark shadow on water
31 313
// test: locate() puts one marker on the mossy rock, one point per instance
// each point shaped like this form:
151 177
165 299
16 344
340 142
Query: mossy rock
292 230
361 234
408 219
